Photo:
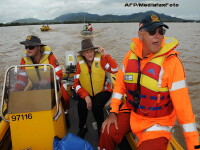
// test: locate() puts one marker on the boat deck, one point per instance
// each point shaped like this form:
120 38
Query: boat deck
92 135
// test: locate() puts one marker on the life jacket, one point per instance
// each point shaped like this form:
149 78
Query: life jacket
33 75
154 100
92 82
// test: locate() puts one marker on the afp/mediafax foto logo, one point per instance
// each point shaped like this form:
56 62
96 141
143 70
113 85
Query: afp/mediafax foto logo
151 5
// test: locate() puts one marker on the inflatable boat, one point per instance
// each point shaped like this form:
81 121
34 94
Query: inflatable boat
45 28
31 118
86 32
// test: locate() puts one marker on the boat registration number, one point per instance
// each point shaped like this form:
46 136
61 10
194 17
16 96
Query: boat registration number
21 117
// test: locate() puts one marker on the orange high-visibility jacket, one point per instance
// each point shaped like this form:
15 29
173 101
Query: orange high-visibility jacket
172 77
108 64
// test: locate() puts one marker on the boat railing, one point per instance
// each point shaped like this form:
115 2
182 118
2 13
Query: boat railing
16 69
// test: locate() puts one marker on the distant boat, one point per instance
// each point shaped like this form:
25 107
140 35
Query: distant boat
45 28
85 31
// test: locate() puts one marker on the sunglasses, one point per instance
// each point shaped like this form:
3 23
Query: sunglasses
160 31
30 47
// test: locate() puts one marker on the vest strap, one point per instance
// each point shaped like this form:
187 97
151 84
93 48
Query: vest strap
154 97
154 108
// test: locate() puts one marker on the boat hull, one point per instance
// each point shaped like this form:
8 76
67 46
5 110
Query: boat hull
45 29
86 32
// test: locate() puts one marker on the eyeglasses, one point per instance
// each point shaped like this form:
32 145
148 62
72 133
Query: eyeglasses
160 31
30 47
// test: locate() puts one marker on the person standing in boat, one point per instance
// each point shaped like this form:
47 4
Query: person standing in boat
91 83
38 53
154 81
89 27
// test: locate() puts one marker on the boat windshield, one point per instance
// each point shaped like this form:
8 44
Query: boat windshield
30 89
30 78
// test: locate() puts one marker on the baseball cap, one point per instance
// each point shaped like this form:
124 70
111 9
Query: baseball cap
150 22
32 41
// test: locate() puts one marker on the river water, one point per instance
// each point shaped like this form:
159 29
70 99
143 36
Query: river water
115 38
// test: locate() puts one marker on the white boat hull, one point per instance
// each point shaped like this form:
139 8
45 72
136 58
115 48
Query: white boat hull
86 32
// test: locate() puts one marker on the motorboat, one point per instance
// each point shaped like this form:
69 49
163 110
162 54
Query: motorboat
31 118
45 28
86 32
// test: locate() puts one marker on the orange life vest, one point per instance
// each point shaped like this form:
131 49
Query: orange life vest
154 101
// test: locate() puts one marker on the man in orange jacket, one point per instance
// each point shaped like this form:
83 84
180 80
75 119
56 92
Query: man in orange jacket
153 79
91 83
38 53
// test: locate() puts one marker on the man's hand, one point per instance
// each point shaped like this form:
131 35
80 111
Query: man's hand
112 118
88 102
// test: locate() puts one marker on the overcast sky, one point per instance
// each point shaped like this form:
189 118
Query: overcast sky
11 10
